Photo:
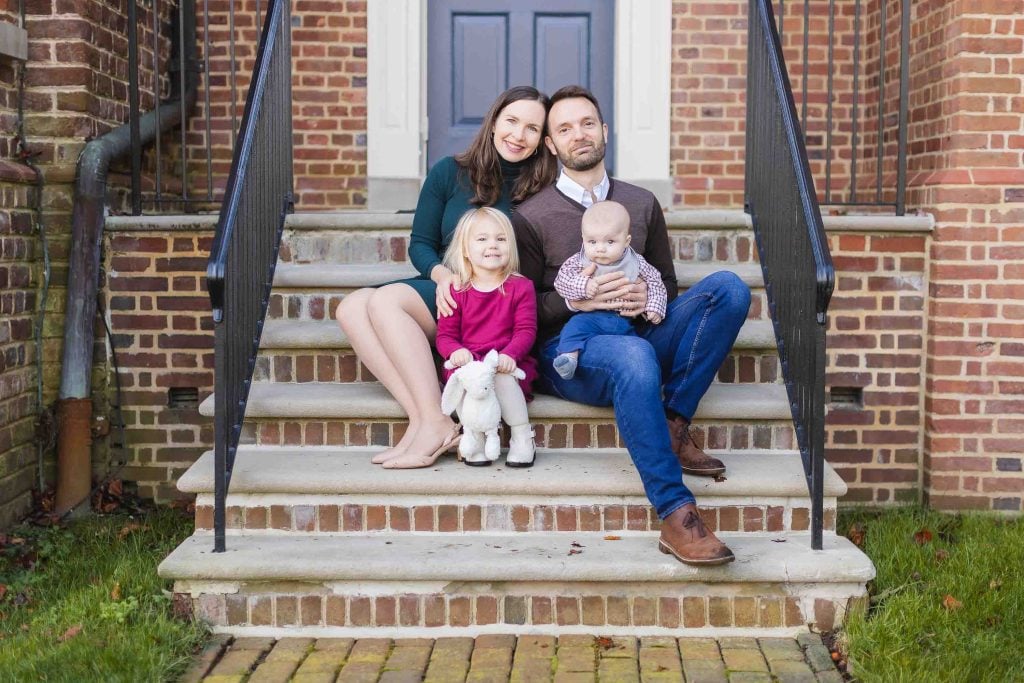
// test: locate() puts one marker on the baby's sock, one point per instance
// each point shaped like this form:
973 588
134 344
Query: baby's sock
565 364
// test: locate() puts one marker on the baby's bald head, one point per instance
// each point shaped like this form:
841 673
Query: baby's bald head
608 215
605 232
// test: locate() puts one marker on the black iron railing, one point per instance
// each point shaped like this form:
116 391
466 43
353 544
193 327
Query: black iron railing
244 253
860 152
795 260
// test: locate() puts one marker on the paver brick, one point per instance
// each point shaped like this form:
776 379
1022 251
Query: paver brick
575 640
252 644
819 658
236 663
274 672
699 648
791 671
832 676
780 648
659 641
618 670
206 658
225 679
738 643
529 670
576 659
749 677
405 676
573 677
704 671
321 661
744 660
491 658
622 646
659 659
314 677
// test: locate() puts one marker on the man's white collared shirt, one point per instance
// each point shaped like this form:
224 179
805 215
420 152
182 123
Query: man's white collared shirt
573 190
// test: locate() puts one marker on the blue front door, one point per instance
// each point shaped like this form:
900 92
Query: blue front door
478 48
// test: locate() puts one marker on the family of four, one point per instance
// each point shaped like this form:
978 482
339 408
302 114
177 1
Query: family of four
569 276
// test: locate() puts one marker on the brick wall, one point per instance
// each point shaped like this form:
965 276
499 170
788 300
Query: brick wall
328 99
875 344
968 137
158 306
75 89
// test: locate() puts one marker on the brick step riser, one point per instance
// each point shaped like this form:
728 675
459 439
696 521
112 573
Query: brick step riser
763 435
423 608
392 246
348 514
320 365
289 304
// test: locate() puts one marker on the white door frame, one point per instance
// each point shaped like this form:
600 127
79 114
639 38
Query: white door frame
396 97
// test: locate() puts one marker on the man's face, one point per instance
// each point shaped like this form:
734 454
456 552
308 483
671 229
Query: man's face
576 136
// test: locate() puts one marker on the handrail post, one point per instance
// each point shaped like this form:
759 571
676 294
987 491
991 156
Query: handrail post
901 152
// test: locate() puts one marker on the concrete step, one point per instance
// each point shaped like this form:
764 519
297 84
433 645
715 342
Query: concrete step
312 291
405 585
317 351
318 489
369 400
326 335
346 277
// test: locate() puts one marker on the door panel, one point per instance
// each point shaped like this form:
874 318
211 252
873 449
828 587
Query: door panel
479 48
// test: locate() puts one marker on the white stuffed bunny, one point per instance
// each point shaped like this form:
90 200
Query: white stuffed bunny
470 391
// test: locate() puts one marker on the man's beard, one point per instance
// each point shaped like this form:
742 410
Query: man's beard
586 161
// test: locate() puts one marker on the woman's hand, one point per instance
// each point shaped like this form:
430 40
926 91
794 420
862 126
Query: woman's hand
460 357
506 364
446 281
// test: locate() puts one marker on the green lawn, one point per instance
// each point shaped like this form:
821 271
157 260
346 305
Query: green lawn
948 601
84 603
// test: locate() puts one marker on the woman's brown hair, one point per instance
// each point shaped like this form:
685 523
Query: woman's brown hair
482 162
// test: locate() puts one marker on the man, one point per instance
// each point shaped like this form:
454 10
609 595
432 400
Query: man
677 358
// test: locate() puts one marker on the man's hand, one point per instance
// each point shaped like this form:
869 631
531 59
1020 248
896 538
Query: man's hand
446 281
506 364
460 357
611 289
635 301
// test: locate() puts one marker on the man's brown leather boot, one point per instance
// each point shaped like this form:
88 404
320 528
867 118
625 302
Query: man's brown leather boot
692 459
684 536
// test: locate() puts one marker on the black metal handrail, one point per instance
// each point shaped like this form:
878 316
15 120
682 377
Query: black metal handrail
240 272
795 259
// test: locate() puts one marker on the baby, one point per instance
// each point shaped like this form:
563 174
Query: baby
606 244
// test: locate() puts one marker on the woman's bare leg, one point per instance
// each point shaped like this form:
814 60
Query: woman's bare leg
406 339
353 317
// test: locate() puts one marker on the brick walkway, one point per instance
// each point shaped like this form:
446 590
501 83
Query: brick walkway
488 658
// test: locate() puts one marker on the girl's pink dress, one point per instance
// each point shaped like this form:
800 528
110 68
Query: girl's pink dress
505 322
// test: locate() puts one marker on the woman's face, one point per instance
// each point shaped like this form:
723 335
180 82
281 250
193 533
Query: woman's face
518 130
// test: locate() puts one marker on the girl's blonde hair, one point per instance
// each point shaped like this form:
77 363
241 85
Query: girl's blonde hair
456 257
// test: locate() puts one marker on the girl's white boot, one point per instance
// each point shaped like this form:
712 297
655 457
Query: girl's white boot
521 447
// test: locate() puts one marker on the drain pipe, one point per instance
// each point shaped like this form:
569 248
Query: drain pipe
74 409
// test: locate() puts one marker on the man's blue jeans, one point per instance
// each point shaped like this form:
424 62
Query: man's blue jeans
582 327
668 366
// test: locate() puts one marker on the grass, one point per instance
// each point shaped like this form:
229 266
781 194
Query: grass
947 602
83 602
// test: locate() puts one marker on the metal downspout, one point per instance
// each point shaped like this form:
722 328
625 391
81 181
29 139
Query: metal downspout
74 409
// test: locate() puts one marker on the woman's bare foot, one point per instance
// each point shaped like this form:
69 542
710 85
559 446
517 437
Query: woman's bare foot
399 449
431 441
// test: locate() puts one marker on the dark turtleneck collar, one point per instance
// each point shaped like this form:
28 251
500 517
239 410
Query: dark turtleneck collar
510 171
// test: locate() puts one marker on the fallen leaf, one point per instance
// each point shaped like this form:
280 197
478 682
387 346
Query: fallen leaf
71 633
995 584
605 643
941 555
856 534
613 538
575 551
115 593
778 540
923 536
574 544
719 478
951 603
129 528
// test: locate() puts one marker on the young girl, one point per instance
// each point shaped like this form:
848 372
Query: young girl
495 309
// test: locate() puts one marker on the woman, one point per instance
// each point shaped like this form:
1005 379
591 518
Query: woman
391 327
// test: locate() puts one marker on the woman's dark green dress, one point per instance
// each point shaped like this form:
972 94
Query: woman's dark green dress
445 197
